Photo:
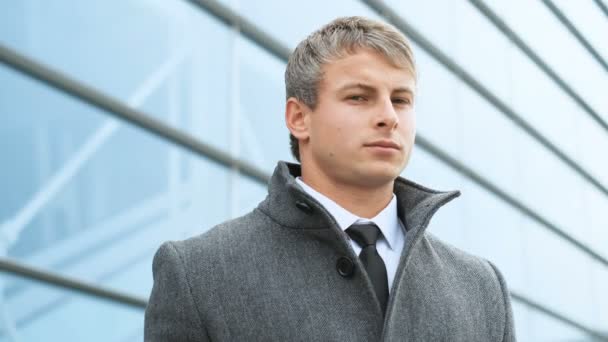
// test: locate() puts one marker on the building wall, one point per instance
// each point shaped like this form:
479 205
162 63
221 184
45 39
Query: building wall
90 196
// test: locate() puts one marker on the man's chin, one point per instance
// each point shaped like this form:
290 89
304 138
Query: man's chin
378 176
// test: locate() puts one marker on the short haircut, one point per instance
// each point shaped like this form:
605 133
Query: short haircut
336 40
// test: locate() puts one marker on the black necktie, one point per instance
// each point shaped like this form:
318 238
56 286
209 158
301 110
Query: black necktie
366 236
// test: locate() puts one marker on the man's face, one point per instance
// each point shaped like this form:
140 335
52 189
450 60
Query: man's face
363 128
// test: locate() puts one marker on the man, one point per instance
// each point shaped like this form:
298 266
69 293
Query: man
338 249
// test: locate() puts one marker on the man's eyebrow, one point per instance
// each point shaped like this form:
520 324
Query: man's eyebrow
360 86
369 88
404 90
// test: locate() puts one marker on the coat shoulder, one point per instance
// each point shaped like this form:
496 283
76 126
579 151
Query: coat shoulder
467 272
473 284
228 239
456 258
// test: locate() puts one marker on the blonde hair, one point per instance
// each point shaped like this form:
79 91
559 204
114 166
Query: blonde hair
336 40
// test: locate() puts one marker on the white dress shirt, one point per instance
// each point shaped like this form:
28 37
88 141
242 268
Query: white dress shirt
389 245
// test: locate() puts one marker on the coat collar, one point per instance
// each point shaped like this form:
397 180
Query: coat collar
291 207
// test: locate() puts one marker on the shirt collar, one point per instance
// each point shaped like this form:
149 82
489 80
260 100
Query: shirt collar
386 219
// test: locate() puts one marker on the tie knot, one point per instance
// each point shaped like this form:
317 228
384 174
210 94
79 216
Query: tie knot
364 234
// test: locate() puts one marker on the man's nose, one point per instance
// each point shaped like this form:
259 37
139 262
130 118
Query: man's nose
387 116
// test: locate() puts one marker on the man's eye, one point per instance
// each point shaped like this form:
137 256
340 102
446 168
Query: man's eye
402 101
356 98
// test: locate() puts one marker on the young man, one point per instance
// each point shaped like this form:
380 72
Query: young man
338 250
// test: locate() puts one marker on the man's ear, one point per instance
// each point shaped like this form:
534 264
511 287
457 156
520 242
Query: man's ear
297 118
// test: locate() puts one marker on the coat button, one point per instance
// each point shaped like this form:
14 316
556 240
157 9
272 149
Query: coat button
305 207
345 267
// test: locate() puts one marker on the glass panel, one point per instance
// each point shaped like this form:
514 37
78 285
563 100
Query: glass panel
589 21
262 108
505 71
532 326
290 23
472 131
532 21
47 313
92 197
155 56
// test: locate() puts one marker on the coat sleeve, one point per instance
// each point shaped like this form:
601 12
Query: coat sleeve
509 331
171 314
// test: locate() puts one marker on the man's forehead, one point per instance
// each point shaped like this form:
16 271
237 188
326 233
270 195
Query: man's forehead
368 69
363 56
396 80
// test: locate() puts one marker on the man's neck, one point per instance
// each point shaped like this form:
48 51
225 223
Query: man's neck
365 202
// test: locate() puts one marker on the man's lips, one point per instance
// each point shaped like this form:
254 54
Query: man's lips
384 144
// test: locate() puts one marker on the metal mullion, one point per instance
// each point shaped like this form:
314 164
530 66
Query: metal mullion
602 6
575 32
51 278
506 198
484 92
557 316
118 109
515 39
246 28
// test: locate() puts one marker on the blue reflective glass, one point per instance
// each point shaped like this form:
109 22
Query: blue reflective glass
92 197
47 313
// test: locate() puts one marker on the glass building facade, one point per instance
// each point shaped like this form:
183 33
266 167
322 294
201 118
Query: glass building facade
511 110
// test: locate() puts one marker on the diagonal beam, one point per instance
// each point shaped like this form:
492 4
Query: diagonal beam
540 63
246 28
483 92
558 316
575 32
124 112
46 277
602 6
508 199
13 227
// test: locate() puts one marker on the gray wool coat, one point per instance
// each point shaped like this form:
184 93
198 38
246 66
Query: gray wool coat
286 272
